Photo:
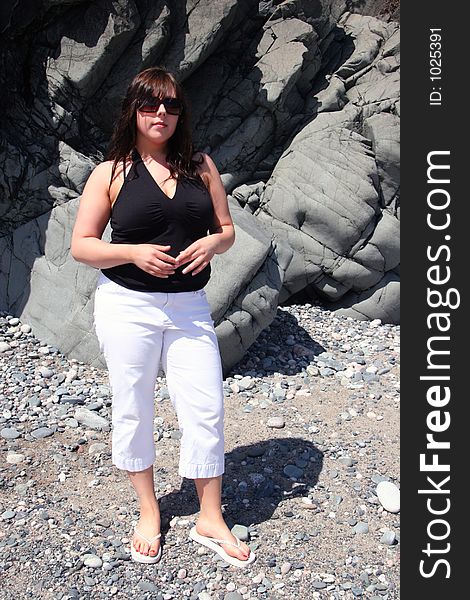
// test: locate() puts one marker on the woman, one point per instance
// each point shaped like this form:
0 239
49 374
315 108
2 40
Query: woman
150 304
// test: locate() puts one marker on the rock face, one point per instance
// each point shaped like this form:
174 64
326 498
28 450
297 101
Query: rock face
299 108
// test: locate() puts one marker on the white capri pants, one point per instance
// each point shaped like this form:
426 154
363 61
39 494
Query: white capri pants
135 331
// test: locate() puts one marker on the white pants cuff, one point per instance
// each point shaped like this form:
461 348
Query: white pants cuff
132 464
193 471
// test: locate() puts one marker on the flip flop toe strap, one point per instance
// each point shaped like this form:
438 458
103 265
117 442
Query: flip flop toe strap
237 545
149 541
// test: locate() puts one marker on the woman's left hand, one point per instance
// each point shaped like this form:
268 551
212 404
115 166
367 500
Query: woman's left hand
200 253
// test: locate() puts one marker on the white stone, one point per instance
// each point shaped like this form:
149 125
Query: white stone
13 458
276 422
389 496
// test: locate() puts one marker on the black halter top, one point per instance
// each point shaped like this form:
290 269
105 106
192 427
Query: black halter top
143 214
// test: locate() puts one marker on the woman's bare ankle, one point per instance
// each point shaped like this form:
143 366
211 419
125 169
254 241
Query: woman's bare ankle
150 508
213 517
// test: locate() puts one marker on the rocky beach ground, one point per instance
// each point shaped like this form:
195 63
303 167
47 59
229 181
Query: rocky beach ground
312 429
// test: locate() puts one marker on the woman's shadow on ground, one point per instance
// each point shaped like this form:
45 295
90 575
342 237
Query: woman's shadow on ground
265 474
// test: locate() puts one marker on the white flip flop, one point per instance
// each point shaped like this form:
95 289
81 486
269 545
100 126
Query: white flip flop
212 543
142 558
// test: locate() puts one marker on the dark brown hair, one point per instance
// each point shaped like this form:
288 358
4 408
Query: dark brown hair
149 83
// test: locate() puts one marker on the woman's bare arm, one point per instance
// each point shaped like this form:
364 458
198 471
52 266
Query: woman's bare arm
222 228
93 215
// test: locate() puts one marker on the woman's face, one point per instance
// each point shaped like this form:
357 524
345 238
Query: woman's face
157 119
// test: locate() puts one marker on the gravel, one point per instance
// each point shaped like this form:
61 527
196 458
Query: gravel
312 429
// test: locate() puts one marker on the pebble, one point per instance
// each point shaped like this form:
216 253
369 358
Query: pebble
91 419
97 447
14 458
9 433
241 532
285 568
388 538
246 383
389 496
293 471
42 432
93 561
361 527
276 422
233 596
46 372
8 514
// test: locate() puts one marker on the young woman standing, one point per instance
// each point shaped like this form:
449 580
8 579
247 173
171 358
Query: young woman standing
150 302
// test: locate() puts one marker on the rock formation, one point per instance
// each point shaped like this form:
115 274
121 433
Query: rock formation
297 102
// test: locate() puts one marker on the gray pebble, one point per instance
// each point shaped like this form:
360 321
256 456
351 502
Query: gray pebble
357 591
42 432
246 383
388 538
313 371
46 372
9 433
147 586
8 514
361 527
97 447
293 471
279 394
241 532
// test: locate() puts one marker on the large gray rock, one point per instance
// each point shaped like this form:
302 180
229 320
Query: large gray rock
334 192
342 238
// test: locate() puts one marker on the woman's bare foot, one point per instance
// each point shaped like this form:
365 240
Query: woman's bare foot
149 526
217 528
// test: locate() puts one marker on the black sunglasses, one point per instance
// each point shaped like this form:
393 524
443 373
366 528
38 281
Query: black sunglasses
173 106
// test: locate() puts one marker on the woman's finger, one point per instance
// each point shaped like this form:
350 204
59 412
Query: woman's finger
200 267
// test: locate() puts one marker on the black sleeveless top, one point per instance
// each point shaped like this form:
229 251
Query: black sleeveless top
143 214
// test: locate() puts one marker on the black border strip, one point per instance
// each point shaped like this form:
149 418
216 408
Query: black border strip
434 351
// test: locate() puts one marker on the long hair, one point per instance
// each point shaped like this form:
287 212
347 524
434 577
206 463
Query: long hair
155 81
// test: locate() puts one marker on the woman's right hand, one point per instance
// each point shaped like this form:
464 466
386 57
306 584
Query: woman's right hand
152 259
